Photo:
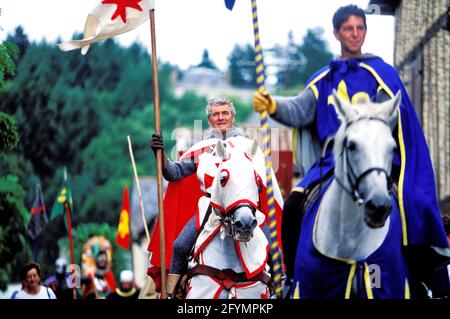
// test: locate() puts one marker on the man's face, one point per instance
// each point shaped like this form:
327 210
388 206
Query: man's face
102 261
126 286
221 117
351 34
60 267
32 280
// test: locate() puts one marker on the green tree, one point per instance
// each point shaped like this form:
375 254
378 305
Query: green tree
292 58
8 133
241 66
51 116
20 39
300 61
206 61
13 218
315 51
13 214
8 52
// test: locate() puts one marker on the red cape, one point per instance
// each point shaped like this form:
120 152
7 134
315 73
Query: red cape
180 204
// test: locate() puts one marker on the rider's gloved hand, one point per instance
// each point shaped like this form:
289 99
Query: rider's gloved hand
263 102
157 143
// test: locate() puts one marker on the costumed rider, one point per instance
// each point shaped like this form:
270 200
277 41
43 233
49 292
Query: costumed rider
221 114
58 281
356 77
127 288
103 282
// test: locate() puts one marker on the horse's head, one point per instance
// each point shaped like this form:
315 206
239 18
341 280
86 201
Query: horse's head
363 152
235 190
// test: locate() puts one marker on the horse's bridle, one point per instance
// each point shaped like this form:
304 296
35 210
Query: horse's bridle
227 217
353 179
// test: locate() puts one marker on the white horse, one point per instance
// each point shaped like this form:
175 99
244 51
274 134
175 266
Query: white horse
231 252
363 151
350 243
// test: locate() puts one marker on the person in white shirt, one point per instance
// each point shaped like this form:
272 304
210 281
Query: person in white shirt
30 276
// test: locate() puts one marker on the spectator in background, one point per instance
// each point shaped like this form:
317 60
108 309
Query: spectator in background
30 276
127 288
58 281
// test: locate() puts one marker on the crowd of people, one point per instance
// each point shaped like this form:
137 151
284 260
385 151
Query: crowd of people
62 284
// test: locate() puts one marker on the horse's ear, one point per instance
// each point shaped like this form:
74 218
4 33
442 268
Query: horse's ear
392 105
253 148
221 152
341 107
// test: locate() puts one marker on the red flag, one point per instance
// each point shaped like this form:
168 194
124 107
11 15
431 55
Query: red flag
123 230
180 204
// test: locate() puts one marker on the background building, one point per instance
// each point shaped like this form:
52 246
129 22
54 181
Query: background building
422 58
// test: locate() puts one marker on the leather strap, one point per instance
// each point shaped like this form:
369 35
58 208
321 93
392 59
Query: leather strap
228 276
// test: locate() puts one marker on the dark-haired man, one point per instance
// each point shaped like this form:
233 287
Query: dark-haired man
356 77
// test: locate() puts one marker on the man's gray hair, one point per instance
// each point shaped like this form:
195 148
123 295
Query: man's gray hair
219 101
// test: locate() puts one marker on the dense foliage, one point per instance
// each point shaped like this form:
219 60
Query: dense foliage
291 65
13 214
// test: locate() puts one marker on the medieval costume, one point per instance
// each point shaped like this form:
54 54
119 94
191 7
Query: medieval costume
369 76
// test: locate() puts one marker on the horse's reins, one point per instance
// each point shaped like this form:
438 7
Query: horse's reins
227 217
353 179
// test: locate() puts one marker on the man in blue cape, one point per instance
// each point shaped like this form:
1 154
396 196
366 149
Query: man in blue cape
358 76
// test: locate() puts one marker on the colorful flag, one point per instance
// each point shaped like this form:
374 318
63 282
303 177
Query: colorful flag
123 230
108 19
229 4
38 215
64 195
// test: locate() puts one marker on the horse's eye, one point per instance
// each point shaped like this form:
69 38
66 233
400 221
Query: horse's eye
351 146
224 177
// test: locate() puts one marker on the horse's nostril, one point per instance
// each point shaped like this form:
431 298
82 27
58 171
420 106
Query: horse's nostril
378 207
238 224
254 223
370 205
